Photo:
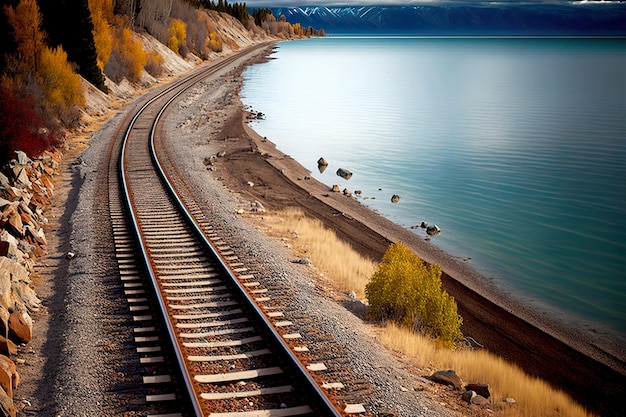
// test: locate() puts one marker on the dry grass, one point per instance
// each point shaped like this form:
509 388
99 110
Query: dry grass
349 271
309 238
535 398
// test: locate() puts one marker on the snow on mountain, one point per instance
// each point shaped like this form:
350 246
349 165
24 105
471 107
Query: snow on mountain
478 19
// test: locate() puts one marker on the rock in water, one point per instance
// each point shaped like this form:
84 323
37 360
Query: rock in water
322 165
433 230
344 173
395 198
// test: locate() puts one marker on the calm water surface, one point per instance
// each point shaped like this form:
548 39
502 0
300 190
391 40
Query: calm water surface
516 148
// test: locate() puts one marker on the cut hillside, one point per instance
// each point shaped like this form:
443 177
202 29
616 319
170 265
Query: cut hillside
233 34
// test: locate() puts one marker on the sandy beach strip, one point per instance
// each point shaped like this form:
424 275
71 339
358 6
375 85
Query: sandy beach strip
591 369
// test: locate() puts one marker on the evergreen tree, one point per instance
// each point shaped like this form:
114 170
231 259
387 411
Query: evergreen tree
68 23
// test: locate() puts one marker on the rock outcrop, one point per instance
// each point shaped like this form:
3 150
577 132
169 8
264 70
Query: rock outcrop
26 187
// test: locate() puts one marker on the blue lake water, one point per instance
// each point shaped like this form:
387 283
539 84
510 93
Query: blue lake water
516 148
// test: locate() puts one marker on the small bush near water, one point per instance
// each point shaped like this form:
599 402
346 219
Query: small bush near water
407 290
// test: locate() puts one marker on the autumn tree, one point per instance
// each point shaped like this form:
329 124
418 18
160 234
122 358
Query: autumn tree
215 42
61 86
102 15
409 291
178 36
69 24
25 20
128 58
42 75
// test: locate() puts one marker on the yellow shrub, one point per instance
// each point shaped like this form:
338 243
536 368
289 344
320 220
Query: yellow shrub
60 84
131 53
215 42
178 35
407 290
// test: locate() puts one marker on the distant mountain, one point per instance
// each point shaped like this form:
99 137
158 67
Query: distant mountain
450 19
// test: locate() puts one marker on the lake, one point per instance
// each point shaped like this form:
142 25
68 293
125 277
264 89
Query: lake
514 147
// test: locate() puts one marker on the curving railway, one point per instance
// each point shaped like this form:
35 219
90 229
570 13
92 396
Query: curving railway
212 338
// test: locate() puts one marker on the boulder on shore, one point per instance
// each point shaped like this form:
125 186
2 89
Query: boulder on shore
480 389
447 377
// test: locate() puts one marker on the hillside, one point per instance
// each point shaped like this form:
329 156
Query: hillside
99 105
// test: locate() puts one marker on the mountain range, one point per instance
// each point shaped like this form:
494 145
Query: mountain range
580 19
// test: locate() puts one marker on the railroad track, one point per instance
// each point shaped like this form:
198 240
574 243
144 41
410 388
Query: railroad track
211 337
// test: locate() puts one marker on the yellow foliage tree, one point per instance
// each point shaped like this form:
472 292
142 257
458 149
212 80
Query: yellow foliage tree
61 85
407 290
178 35
131 53
26 22
101 12
215 42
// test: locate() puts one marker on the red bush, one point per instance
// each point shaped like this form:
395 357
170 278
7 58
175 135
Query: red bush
22 125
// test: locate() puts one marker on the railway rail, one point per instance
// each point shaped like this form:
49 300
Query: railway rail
211 336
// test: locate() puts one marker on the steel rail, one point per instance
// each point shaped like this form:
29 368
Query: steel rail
322 402
191 81
325 403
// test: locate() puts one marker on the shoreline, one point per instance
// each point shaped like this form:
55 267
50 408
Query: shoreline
587 367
